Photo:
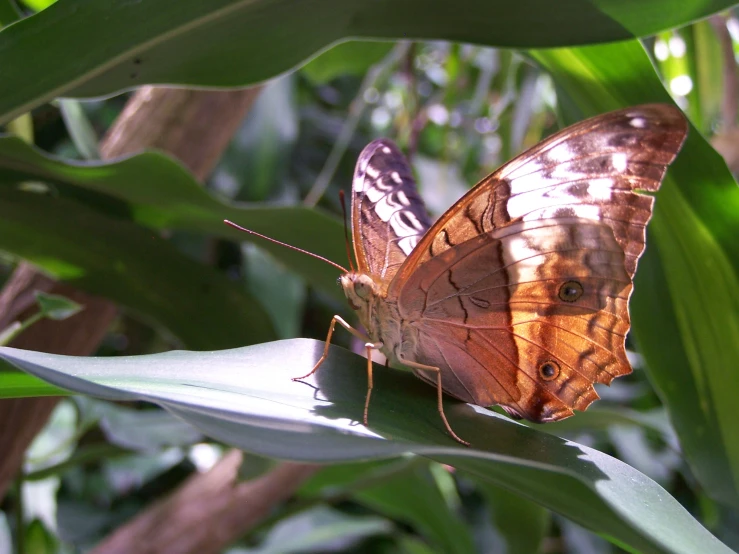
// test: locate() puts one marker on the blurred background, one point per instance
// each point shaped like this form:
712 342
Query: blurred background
458 111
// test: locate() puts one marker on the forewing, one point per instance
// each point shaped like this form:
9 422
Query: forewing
484 288
388 216
590 170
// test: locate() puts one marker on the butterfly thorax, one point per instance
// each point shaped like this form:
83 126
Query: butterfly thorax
368 297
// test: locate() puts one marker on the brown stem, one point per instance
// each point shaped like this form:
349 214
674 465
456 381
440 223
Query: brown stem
208 512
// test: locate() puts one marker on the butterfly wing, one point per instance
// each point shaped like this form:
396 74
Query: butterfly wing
519 293
388 216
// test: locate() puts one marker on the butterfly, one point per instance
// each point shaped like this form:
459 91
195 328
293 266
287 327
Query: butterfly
518 295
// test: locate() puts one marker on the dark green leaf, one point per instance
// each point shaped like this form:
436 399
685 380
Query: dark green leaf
133 266
161 194
238 42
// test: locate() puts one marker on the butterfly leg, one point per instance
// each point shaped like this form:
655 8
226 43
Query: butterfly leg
370 346
336 319
440 393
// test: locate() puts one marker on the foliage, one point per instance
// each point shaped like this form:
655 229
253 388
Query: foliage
653 468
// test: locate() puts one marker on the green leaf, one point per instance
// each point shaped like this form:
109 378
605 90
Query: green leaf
39 540
130 265
161 194
245 397
14 384
55 306
239 42
686 295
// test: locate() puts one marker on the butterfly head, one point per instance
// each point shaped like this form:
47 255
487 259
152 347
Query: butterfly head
359 289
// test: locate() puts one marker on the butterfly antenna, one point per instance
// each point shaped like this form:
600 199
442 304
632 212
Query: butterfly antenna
342 198
240 228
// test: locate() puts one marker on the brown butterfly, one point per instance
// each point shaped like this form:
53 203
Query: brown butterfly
518 295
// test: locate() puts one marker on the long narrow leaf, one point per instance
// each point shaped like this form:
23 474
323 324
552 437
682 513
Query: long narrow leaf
245 397
240 42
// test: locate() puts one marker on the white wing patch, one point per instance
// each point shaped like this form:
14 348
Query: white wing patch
529 200
525 243
620 162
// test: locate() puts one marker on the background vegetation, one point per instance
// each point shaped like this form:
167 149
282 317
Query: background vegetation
463 86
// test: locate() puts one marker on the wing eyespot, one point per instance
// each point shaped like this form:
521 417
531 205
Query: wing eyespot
570 291
549 370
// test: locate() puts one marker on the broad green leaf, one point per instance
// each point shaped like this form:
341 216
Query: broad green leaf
239 42
687 287
132 266
245 397
160 194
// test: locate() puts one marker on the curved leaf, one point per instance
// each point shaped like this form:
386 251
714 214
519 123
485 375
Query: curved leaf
160 194
240 42
245 397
